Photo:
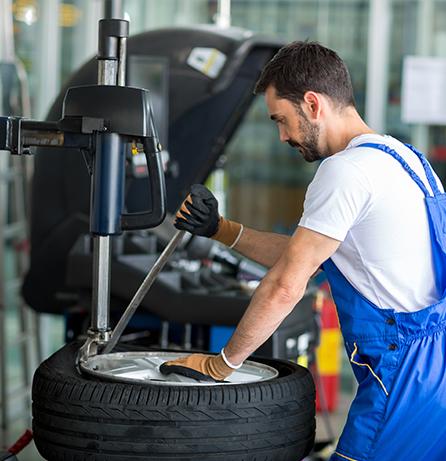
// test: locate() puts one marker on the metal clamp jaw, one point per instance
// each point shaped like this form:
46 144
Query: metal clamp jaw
94 344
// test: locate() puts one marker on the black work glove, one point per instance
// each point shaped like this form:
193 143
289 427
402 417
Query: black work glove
199 212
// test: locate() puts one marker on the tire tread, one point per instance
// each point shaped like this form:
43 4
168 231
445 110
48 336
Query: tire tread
269 421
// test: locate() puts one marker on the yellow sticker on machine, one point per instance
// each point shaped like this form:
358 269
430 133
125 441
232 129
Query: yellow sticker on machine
208 61
329 352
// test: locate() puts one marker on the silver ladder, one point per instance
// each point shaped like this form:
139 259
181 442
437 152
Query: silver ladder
20 345
20 350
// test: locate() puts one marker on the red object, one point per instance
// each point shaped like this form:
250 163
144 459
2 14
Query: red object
23 441
331 388
23 245
329 351
438 153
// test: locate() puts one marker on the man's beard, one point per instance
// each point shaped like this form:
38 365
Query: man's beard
309 147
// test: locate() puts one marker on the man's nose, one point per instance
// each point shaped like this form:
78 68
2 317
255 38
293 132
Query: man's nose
283 135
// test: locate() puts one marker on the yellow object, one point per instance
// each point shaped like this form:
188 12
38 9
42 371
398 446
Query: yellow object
319 301
210 62
69 15
345 457
329 352
302 360
25 11
369 367
135 149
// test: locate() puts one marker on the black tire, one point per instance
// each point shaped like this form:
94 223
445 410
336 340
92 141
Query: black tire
77 418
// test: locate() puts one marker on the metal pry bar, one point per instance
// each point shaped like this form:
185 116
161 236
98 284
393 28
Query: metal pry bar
142 291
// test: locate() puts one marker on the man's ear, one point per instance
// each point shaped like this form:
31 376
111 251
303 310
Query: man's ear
313 104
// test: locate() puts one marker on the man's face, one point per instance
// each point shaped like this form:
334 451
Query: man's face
294 126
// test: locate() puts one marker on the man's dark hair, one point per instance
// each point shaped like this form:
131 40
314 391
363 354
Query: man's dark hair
307 66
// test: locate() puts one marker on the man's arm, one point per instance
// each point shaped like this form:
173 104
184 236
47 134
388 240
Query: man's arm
263 247
278 293
281 289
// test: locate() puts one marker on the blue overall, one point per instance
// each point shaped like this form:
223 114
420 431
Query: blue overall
398 358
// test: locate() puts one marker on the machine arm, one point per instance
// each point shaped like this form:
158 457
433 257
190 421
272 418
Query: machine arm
18 135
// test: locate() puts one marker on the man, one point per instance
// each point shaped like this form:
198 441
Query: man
375 220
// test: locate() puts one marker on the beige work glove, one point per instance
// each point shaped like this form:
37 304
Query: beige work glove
199 216
199 366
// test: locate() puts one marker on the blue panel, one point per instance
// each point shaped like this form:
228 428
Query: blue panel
218 337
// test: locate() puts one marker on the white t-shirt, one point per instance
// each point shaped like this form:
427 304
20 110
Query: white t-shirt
365 199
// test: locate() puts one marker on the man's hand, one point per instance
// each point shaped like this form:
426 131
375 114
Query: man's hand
199 212
199 216
197 365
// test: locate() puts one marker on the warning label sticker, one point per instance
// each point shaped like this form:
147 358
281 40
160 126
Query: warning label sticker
208 61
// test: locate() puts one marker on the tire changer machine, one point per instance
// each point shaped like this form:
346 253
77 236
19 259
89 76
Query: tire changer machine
201 81
76 240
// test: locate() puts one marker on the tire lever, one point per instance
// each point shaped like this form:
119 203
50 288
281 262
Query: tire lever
142 291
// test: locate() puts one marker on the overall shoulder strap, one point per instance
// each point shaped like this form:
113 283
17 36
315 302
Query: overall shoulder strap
406 166
427 169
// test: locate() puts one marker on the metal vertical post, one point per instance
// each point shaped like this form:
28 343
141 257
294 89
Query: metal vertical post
100 321
164 338
113 9
378 64
6 31
107 183
425 17
48 56
101 284
86 32
223 18
122 62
